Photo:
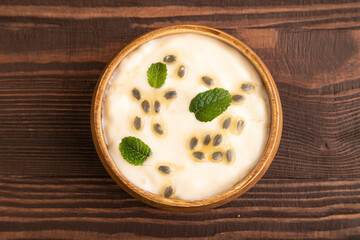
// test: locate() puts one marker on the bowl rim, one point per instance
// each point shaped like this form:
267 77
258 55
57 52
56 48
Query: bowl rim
177 204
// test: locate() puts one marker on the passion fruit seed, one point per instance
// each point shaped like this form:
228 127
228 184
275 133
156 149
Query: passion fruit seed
217 156
145 106
247 87
226 123
168 191
207 139
136 93
181 71
170 94
229 155
157 106
158 129
208 80
169 58
164 169
239 125
137 123
199 155
238 98
193 143
217 140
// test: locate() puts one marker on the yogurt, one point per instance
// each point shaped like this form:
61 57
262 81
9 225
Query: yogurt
231 144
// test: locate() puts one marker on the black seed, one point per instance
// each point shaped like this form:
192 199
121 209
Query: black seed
239 125
136 93
217 140
170 94
158 129
157 106
208 80
181 71
238 98
229 155
226 123
193 143
169 59
207 139
137 123
199 155
168 191
145 106
164 169
247 87
217 156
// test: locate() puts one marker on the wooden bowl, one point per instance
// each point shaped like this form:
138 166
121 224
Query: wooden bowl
175 204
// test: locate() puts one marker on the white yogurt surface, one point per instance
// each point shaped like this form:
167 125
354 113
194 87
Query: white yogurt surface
202 55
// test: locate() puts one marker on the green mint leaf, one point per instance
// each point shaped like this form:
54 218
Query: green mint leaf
210 104
157 74
134 151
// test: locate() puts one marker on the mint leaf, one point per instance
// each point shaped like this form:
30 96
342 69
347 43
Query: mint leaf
210 104
134 151
157 74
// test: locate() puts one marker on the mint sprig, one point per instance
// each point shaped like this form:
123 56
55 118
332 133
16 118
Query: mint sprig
210 104
134 151
157 74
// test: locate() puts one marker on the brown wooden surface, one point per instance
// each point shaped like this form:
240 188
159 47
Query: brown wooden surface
52 185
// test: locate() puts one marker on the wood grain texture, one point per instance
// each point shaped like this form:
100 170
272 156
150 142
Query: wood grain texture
98 208
51 55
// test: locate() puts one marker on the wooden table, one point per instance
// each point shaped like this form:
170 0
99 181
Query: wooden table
52 184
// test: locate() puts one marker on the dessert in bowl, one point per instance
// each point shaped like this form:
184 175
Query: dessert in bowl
186 118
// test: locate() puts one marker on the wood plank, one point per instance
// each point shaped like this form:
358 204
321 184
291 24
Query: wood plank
97 207
66 12
129 3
